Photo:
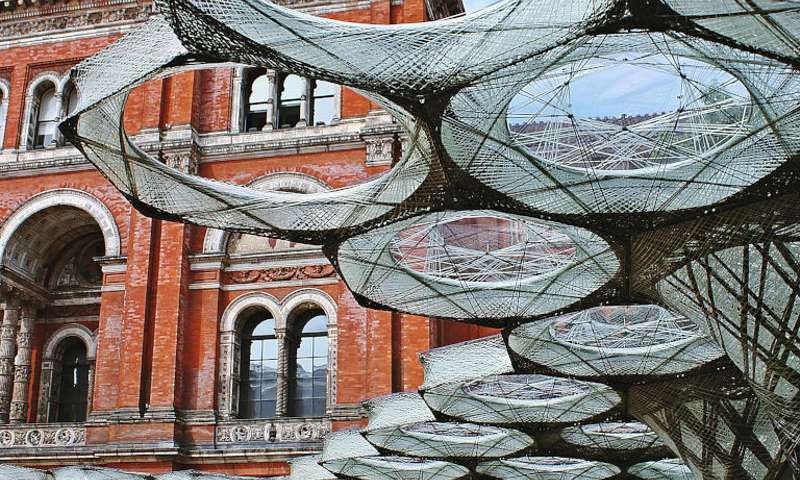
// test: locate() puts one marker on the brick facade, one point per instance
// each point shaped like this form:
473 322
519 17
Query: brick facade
154 325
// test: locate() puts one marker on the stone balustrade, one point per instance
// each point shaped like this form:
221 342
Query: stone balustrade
42 435
284 430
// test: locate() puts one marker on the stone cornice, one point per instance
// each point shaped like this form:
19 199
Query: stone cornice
218 146
68 21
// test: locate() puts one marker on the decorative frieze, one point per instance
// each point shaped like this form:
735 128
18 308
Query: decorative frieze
380 149
26 25
279 274
42 436
273 431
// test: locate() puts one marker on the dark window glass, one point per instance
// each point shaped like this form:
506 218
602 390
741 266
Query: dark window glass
257 95
259 369
291 96
311 371
74 389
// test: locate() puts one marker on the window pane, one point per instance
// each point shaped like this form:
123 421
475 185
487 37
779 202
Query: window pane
265 328
316 324
74 388
324 110
306 348
270 349
259 94
304 367
255 350
310 382
46 118
292 89
260 362
72 101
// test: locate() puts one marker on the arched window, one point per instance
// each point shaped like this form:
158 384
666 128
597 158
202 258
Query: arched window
259 367
257 95
69 104
291 97
44 113
323 108
308 381
3 110
73 390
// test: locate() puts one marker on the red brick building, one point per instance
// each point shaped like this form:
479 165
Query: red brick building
154 346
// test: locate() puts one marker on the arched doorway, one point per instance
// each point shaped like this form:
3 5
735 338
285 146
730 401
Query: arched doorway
48 250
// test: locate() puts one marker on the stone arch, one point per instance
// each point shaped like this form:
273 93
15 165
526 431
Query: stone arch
229 321
310 296
5 90
51 368
230 347
215 241
72 330
64 197
49 76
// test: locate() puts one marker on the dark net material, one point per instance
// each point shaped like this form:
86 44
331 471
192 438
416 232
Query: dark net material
643 259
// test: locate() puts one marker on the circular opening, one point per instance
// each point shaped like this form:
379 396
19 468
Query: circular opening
482 249
452 430
619 430
624 329
629 112
525 387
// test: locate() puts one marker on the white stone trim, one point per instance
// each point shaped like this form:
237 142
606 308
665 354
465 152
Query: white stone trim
5 90
63 197
230 317
43 77
310 295
229 348
237 100
230 340
216 240
50 369
328 305
71 330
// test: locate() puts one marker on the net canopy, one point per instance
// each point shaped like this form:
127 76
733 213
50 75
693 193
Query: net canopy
613 182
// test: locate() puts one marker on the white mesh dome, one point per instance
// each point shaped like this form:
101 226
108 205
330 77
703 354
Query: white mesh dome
547 468
669 469
615 341
13 472
523 399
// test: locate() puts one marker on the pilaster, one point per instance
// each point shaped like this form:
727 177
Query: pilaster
8 350
22 366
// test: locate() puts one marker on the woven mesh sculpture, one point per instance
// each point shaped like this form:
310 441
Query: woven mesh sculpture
87 472
515 207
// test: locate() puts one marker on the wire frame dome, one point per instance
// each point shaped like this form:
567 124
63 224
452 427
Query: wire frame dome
547 468
618 342
669 469
519 203
14 472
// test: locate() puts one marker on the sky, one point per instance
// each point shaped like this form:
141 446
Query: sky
612 89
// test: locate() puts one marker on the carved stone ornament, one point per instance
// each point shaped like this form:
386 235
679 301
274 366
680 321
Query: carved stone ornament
25 436
268 431
281 274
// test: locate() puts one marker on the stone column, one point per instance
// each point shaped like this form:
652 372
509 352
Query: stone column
8 350
286 344
22 366
57 138
272 89
305 102
90 393
237 100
